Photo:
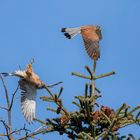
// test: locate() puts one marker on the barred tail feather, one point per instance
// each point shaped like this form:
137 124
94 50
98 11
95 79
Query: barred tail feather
17 73
71 32
7 74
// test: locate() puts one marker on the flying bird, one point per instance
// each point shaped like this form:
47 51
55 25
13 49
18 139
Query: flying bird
91 36
29 82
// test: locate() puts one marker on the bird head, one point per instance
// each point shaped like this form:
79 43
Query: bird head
98 31
40 85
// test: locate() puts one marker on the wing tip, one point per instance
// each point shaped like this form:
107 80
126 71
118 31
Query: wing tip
29 116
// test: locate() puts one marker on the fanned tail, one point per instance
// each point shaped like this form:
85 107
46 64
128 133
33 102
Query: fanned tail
70 32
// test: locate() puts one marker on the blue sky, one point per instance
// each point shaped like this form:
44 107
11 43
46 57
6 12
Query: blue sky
31 29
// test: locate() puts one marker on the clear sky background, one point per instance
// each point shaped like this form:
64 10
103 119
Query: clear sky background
31 29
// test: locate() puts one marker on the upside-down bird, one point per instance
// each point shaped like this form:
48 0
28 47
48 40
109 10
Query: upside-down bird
29 82
91 36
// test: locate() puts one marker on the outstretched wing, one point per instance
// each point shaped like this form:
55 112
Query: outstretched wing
28 97
92 48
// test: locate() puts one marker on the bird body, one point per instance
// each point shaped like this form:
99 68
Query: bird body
91 36
27 75
89 32
29 83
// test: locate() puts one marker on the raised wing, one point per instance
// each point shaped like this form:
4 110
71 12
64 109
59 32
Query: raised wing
28 97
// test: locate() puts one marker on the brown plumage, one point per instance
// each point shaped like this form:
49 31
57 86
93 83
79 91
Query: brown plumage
91 36
32 77
29 83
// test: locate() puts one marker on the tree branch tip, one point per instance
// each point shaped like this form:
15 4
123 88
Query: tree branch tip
124 104
72 73
87 84
113 72
86 66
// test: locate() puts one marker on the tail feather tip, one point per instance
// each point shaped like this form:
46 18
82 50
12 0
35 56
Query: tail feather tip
63 29
4 74
67 35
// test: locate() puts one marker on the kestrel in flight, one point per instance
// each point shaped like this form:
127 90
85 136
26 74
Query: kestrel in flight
91 36
29 82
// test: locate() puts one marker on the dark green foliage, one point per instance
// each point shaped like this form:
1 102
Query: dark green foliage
91 121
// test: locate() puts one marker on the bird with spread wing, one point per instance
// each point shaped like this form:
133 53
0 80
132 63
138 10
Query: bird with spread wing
91 36
29 82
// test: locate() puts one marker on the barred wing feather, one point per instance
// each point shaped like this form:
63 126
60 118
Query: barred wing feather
92 48
28 97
